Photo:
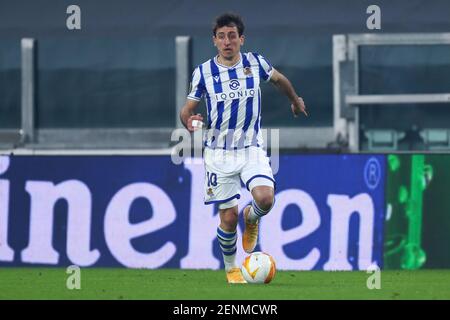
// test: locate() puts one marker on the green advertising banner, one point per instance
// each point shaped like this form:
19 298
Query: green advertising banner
417 227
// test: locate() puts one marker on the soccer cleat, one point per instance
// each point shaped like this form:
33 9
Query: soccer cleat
250 236
234 275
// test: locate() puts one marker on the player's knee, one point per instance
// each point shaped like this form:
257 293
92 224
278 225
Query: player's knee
229 218
265 201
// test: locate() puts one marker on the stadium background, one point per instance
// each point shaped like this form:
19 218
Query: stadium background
119 72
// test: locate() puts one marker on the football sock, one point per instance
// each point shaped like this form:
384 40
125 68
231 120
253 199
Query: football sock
256 212
227 242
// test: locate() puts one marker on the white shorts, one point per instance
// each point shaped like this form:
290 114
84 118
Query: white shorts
224 170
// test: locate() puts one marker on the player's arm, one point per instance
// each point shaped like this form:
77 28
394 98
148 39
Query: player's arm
285 86
187 114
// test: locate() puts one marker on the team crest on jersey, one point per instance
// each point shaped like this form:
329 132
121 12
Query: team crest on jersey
210 192
248 71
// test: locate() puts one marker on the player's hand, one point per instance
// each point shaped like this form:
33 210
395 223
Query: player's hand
299 107
198 117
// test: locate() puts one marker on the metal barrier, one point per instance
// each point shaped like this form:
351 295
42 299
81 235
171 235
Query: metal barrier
31 136
348 100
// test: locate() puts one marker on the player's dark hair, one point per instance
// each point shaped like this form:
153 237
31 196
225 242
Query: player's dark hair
229 20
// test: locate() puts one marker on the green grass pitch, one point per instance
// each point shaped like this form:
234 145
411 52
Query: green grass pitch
176 284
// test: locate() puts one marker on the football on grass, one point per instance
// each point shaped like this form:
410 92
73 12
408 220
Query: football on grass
258 267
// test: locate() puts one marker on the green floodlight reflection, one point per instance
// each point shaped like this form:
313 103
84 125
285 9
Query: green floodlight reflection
394 162
408 244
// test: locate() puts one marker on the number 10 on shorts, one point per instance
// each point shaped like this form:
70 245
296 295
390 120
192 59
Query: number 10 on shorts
212 179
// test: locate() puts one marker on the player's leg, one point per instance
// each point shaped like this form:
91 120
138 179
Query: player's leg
263 200
258 178
222 187
227 237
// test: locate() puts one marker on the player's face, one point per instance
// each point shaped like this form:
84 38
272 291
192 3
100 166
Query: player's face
228 42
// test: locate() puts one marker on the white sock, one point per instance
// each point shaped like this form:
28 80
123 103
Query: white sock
256 213
252 217
229 261
227 243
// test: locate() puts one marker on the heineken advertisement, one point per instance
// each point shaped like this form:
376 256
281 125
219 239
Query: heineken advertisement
332 212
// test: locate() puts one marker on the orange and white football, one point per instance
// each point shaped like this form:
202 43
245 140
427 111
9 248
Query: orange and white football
258 267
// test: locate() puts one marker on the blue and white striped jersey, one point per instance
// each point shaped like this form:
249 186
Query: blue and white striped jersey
233 100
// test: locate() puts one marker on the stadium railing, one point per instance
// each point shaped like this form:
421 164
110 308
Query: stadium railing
349 101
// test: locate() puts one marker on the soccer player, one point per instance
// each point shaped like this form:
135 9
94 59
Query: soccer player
229 83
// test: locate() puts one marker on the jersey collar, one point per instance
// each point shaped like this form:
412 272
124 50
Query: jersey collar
227 67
